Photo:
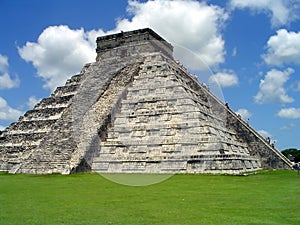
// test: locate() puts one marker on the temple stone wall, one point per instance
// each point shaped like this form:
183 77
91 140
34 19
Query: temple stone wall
75 133
134 110
166 125
132 43
20 139
268 155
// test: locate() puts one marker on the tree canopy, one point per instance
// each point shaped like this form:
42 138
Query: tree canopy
292 152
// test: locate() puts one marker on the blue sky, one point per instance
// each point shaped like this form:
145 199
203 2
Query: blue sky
252 48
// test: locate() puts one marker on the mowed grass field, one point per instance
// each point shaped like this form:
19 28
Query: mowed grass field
268 197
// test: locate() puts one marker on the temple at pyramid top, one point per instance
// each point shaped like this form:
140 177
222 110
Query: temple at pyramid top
134 110
132 42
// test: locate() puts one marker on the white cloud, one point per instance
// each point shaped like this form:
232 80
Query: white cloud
281 12
2 128
264 133
283 48
8 113
271 89
32 101
234 51
191 24
297 87
60 52
289 113
225 79
244 113
6 82
288 126
3 63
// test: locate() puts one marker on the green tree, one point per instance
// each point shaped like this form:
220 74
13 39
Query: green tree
292 152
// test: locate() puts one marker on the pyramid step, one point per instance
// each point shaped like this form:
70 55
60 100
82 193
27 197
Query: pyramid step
74 80
32 126
68 90
134 110
54 102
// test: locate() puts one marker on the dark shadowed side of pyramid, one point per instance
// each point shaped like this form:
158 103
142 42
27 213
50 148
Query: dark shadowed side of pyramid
134 110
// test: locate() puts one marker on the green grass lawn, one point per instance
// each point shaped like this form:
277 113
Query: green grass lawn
271 197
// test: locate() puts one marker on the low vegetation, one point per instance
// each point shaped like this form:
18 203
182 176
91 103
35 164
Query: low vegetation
268 197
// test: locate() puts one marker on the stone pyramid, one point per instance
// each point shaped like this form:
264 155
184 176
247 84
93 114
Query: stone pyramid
134 110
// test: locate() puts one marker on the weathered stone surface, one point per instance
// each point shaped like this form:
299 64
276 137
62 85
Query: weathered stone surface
134 110
21 139
166 125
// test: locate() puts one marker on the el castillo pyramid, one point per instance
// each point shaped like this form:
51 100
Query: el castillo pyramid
134 110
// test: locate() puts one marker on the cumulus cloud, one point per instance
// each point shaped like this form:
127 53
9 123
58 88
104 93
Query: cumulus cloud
59 53
6 82
281 12
283 48
289 113
8 113
191 24
264 133
32 101
244 113
271 88
3 63
2 127
224 79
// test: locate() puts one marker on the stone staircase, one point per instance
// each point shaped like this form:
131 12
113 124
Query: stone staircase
72 141
94 122
19 139
134 110
166 124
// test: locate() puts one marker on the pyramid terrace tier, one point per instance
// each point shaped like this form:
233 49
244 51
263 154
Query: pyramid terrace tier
134 110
